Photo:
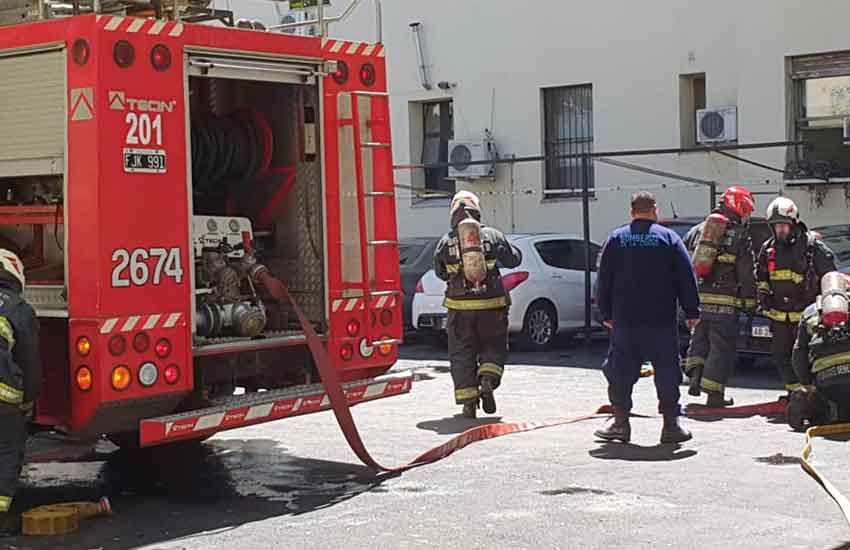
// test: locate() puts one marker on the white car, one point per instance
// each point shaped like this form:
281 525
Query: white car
547 290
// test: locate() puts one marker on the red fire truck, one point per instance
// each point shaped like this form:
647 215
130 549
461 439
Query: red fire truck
145 166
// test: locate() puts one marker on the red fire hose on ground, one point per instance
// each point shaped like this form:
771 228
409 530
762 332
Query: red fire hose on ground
343 413
490 431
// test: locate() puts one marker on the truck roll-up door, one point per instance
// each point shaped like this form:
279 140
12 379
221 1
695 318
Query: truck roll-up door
263 70
32 112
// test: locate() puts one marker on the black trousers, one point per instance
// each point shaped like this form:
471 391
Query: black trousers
713 352
781 347
13 440
478 346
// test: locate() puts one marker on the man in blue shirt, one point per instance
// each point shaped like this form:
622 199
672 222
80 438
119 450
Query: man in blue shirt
644 272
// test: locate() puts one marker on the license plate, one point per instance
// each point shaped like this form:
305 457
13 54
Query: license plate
144 161
762 332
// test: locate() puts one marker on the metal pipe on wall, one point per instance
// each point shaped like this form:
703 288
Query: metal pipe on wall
416 27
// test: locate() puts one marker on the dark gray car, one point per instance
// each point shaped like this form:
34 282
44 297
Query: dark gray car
416 255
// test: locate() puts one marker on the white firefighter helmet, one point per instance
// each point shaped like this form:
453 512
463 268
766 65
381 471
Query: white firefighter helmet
782 210
13 265
465 198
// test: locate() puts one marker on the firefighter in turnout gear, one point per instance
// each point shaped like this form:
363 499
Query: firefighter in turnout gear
789 268
723 257
468 258
20 381
821 358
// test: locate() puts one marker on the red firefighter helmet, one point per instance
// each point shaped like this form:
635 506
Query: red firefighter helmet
739 200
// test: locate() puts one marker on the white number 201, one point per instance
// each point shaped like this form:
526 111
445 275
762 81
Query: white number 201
132 268
143 129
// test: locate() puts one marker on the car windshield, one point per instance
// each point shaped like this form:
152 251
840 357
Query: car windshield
681 229
839 243
408 252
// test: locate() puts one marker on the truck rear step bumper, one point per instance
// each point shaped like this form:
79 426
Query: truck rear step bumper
256 408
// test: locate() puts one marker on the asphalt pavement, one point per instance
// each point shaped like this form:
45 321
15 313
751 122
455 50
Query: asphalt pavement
295 483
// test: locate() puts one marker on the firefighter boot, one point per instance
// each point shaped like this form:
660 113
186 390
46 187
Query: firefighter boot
10 524
673 432
694 381
717 401
619 430
469 409
488 401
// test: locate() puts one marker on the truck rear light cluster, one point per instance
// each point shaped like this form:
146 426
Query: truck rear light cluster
121 378
80 52
367 75
160 57
123 53
386 317
141 342
386 348
352 327
83 346
148 374
84 379
341 74
346 352
171 374
117 345
162 348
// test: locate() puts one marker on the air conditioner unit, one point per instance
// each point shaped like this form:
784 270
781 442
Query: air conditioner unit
717 125
463 152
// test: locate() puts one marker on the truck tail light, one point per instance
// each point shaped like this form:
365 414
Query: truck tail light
121 378
148 374
80 52
341 74
83 346
367 74
141 342
352 327
386 317
171 374
161 57
513 280
123 53
84 378
346 352
420 288
162 348
117 345
385 349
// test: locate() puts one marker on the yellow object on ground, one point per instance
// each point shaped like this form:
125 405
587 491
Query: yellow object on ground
62 519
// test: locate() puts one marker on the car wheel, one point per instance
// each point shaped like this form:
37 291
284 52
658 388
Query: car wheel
539 326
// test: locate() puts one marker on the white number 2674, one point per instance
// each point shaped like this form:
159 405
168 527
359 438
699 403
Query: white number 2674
135 268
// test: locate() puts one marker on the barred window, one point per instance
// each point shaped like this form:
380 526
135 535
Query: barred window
568 130
438 130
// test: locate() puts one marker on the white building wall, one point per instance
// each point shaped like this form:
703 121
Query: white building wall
632 53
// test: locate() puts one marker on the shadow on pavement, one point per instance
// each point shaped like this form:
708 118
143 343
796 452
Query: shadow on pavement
455 424
188 492
638 453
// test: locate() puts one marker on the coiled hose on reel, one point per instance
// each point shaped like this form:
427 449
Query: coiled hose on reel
230 150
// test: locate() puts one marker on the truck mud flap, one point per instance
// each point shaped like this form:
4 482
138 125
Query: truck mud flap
256 408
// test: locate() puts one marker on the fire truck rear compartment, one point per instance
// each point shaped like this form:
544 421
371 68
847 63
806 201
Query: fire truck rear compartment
253 157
